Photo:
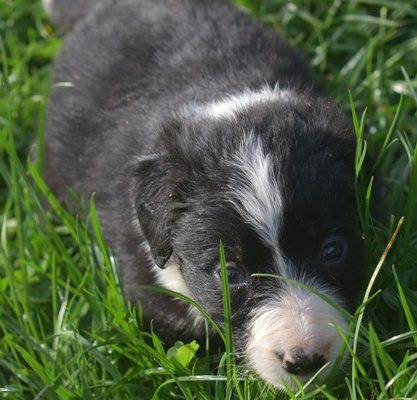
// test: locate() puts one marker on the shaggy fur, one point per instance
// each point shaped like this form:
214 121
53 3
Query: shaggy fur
194 125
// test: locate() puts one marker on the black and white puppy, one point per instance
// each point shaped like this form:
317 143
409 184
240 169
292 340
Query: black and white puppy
194 125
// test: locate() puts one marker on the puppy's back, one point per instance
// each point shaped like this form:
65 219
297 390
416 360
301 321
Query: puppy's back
65 14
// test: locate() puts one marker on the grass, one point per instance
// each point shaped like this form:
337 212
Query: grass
65 329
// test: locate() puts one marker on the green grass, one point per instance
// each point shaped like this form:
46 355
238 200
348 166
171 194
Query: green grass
65 328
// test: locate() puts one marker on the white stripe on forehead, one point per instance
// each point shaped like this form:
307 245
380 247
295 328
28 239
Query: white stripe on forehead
255 190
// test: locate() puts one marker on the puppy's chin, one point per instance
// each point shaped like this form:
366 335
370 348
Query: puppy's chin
294 334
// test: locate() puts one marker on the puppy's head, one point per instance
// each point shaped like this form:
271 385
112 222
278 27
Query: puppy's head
273 179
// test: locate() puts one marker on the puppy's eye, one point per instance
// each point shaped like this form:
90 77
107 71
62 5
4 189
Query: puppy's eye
235 275
333 251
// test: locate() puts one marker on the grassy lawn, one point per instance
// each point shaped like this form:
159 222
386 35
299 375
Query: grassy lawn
65 329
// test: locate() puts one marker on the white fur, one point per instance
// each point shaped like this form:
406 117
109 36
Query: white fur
255 191
47 5
170 277
229 107
294 317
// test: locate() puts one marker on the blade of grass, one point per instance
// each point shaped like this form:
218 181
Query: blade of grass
227 307
405 306
366 297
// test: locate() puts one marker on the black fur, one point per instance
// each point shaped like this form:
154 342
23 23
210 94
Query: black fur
162 178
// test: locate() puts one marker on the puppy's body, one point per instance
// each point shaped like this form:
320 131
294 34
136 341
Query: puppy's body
193 124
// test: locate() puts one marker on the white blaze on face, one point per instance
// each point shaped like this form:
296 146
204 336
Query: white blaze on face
293 317
254 190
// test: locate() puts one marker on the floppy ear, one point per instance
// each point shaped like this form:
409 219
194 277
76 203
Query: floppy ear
157 203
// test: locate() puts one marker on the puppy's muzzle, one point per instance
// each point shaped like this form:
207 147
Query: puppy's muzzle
297 361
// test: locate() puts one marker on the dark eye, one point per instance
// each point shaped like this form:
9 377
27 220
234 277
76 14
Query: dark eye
333 251
235 275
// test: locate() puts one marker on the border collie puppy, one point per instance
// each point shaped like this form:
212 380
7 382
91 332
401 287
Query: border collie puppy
193 125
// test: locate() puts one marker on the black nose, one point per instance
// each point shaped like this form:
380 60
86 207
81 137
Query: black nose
296 362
